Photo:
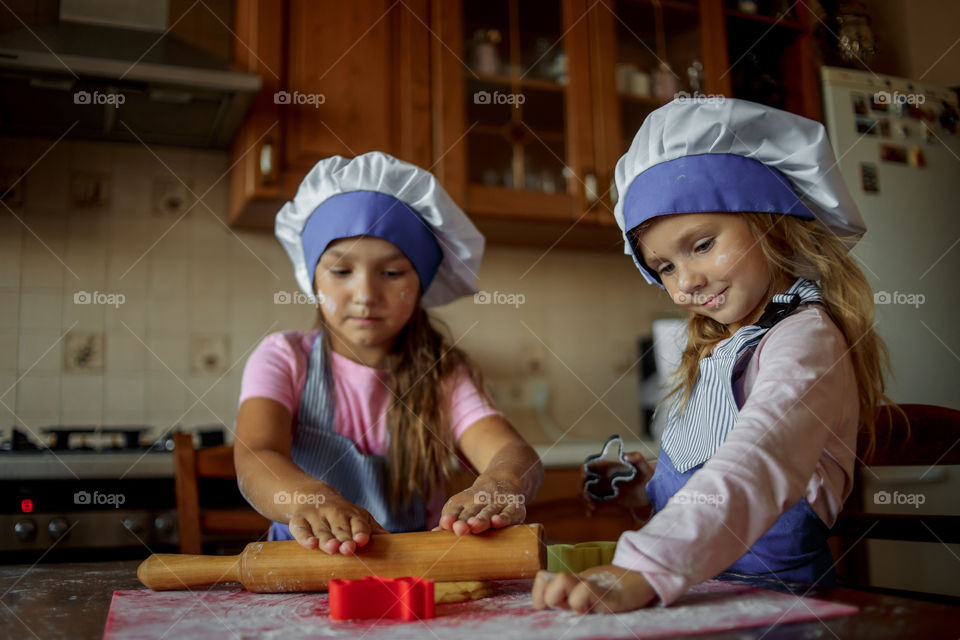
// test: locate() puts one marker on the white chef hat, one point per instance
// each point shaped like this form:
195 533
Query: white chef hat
377 195
728 155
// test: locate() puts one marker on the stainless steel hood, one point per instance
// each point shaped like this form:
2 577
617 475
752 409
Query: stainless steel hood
121 84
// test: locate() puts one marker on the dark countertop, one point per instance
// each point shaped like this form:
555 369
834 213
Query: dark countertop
71 600
68 600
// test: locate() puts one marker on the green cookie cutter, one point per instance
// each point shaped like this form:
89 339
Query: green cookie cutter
574 558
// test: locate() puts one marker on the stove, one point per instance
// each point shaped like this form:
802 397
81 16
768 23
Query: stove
86 492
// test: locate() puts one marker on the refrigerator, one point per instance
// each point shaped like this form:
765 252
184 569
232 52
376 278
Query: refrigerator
902 167
897 143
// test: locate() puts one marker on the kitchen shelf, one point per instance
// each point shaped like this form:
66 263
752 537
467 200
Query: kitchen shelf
519 81
784 23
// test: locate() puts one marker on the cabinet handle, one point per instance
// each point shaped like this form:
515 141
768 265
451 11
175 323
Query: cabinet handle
267 163
590 187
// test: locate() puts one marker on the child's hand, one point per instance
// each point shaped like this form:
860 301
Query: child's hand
603 589
335 525
488 503
631 495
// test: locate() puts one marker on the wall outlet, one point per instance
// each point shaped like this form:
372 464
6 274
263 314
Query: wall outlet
83 352
520 394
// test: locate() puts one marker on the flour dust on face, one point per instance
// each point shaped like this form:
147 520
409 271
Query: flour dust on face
709 263
370 290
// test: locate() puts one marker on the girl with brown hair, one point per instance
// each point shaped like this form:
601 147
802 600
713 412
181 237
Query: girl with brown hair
353 428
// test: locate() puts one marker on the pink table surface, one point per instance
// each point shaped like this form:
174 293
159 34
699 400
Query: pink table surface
235 614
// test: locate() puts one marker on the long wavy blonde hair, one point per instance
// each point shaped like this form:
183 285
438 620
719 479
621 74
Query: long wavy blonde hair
800 248
421 449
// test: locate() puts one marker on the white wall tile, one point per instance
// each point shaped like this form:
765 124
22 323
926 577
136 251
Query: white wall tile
9 346
167 351
131 315
9 258
166 398
208 313
167 276
40 311
81 397
41 353
86 309
9 310
38 394
126 270
41 268
89 262
8 400
123 396
125 353
167 313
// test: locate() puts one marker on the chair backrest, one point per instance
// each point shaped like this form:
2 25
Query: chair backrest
190 466
931 439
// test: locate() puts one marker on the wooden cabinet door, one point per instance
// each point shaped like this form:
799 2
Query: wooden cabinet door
358 79
530 155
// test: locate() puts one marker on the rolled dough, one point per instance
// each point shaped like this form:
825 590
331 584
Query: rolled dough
460 591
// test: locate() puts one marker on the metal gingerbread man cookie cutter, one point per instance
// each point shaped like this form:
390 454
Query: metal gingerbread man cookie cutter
596 484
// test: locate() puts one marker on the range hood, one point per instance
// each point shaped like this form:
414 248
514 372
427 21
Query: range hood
118 83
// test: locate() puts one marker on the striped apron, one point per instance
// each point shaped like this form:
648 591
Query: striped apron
332 458
795 547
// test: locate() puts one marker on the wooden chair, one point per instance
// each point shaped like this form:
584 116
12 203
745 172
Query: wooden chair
931 439
215 463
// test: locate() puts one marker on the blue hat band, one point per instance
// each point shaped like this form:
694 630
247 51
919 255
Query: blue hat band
710 183
370 213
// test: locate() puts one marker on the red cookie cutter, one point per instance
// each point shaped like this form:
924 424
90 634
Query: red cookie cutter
378 598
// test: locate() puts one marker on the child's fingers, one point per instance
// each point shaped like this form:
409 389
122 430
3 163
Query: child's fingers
326 541
340 526
556 592
539 584
583 598
451 512
362 527
302 532
511 514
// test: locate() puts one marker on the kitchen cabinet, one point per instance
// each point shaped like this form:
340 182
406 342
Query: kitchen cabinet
521 109
771 55
339 78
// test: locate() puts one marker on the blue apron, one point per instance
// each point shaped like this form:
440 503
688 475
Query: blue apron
332 458
795 547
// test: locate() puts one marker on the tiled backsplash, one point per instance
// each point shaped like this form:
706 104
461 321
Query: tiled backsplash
121 304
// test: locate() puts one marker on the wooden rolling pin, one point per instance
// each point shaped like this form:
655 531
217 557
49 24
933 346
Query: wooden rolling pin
273 567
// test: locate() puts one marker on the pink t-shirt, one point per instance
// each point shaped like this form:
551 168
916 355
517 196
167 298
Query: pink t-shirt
277 369
795 437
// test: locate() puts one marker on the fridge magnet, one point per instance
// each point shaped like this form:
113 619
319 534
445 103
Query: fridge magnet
901 130
893 153
869 181
927 133
866 125
917 159
859 103
884 125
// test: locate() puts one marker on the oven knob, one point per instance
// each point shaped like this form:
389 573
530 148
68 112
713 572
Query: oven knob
25 530
164 524
132 525
57 528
